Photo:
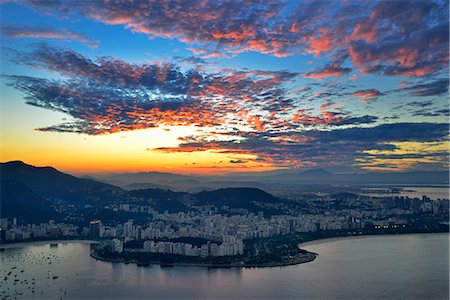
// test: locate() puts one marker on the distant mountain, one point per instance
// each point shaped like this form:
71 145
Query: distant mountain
270 179
142 186
54 185
161 178
18 200
316 172
161 200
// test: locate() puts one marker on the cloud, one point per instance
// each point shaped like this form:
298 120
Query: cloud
330 118
404 37
46 33
107 95
420 104
433 88
426 52
316 147
432 113
238 161
99 109
368 95
327 71
420 132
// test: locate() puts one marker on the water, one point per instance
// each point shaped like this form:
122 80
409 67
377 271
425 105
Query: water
412 266
433 192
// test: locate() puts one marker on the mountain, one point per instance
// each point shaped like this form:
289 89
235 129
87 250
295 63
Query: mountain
160 199
270 180
54 185
124 179
316 173
143 186
18 200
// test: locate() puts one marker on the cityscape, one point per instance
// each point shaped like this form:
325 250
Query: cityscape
197 227
224 149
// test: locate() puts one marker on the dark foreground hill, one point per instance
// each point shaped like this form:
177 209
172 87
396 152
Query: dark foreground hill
17 200
57 186
35 194
252 199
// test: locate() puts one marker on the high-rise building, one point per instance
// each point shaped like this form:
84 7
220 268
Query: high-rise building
128 228
94 228
2 234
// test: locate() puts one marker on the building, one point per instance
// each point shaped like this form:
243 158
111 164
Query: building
94 228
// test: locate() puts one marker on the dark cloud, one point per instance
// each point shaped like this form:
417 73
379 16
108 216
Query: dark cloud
400 132
421 104
433 88
316 147
359 120
238 161
327 71
432 113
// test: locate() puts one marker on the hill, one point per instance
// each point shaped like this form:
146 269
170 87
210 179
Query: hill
54 185
18 200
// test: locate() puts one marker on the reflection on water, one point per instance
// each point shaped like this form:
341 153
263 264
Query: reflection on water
406 266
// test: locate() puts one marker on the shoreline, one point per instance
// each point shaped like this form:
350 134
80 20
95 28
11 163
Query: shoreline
44 242
320 240
308 257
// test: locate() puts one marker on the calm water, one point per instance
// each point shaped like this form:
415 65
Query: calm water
413 192
398 267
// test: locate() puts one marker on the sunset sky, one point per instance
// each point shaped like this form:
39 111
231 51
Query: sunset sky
225 86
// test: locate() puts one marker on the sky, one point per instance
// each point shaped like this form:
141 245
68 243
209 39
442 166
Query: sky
213 87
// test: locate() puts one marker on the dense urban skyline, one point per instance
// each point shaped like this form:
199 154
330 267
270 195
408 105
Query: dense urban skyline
225 86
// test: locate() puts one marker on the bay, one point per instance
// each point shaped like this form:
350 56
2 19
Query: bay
413 266
411 191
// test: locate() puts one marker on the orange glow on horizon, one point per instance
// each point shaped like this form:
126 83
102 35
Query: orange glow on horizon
122 152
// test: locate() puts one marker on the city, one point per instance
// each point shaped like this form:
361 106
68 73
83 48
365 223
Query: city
222 231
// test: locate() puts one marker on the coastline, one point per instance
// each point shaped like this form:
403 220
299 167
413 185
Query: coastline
363 236
307 257
44 242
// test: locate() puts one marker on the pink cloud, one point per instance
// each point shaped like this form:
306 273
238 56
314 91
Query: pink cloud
46 33
368 95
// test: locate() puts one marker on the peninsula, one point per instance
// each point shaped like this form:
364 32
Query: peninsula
261 252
